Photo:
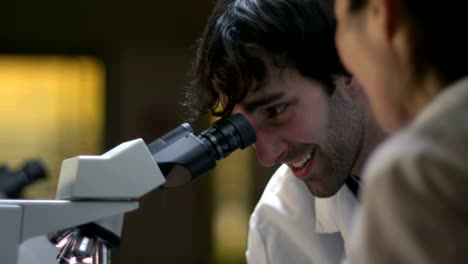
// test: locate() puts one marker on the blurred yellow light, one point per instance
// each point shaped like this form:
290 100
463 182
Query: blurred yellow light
52 108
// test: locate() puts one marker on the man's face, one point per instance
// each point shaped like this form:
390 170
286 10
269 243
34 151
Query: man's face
296 123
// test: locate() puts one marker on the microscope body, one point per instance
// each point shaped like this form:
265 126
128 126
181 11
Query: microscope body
94 192
97 189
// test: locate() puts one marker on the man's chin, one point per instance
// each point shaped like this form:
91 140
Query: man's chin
321 191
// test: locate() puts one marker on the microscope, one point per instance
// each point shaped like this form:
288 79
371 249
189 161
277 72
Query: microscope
13 182
94 192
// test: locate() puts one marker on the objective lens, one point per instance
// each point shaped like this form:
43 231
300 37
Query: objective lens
59 238
84 247
66 252
102 253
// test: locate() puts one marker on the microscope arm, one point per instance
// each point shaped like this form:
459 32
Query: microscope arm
38 217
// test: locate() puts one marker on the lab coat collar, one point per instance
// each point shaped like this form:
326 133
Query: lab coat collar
333 214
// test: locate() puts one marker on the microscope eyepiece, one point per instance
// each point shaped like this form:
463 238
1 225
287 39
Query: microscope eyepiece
13 182
228 135
182 156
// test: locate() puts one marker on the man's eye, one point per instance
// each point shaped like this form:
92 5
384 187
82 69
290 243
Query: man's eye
276 110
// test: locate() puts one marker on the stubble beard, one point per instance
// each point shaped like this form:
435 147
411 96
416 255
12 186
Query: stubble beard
339 154
328 177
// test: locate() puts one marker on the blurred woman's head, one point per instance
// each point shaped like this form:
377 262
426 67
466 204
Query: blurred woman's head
404 52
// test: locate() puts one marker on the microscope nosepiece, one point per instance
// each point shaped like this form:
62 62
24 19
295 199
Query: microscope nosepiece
78 247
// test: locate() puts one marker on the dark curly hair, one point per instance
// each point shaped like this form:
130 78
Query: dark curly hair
242 36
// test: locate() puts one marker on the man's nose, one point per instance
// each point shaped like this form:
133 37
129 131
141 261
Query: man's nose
269 147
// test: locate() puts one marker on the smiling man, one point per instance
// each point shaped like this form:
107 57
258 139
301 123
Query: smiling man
275 62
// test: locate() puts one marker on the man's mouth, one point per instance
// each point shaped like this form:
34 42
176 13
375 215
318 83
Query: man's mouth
302 167
301 163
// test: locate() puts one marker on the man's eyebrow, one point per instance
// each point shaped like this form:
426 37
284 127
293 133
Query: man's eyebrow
251 106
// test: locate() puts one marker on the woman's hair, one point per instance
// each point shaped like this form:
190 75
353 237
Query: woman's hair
437 35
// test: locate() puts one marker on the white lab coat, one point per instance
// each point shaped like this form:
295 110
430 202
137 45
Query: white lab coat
290 225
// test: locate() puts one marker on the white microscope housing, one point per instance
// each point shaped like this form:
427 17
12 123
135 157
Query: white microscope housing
85 221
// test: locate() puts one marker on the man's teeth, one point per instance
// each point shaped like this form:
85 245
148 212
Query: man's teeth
302 162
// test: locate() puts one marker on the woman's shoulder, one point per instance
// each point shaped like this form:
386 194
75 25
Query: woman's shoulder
416 161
